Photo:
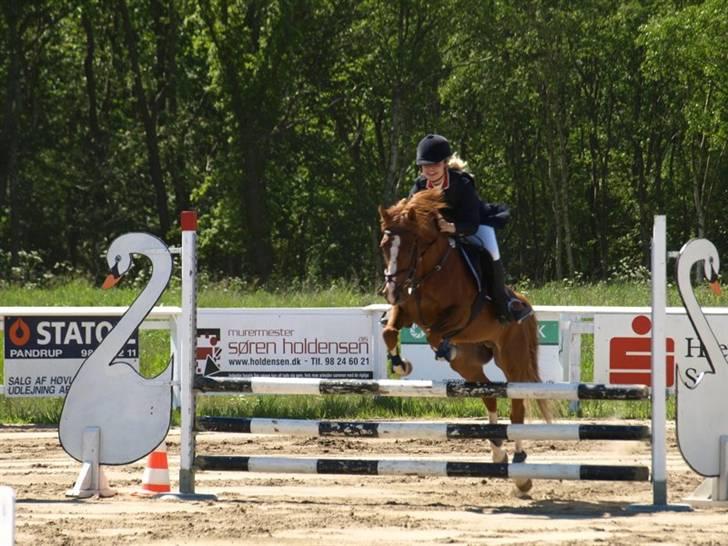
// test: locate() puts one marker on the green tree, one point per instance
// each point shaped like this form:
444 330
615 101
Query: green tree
685 53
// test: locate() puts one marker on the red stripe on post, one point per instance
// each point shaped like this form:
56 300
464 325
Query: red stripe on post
188 220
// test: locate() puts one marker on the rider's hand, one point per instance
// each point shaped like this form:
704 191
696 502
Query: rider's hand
444 225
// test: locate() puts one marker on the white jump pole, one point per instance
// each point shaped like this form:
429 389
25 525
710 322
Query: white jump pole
659 380
188 345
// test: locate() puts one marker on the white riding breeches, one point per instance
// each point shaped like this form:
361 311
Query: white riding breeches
485 238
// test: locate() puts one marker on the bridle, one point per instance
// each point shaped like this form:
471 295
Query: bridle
411 282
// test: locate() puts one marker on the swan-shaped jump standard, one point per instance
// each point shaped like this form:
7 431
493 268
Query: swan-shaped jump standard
702 402
132 412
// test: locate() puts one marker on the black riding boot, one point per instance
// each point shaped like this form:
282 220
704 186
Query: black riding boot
507 306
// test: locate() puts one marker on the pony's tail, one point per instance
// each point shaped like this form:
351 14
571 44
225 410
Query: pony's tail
531 326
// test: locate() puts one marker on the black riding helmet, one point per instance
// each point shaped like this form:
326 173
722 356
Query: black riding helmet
432 149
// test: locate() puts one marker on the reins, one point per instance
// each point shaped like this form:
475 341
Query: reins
412 283
415 283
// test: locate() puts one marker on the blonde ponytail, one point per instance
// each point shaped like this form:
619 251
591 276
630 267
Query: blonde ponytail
457 163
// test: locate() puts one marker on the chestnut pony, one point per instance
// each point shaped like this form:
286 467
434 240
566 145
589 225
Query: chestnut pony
428 283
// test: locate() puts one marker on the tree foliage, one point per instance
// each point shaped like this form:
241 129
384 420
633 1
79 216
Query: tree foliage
285 123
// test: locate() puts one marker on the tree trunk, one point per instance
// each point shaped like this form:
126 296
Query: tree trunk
252 140
556 208
256 208
148 113
167 29
563 191
94 163
253 154
9 130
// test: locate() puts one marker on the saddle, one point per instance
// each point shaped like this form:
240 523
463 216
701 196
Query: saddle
475 262
471 256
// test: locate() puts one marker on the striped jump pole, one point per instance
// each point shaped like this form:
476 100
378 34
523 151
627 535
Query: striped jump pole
420 388
421 430
422 467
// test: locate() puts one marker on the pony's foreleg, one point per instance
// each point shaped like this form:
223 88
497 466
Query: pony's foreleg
390 334
449 321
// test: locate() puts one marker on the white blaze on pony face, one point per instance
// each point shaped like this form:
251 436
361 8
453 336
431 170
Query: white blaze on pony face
391 271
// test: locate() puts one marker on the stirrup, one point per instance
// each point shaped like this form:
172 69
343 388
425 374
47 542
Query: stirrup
445 351
502 312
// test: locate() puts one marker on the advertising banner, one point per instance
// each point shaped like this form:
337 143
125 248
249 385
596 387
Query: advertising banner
326 343
622 346
43 353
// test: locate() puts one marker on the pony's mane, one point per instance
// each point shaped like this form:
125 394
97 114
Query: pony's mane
419 211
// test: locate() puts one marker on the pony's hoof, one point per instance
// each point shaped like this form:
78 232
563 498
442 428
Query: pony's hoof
523 486
519 457
403 369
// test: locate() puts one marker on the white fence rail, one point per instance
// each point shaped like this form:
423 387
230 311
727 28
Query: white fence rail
288 329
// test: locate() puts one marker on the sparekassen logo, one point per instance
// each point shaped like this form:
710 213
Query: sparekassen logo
33 337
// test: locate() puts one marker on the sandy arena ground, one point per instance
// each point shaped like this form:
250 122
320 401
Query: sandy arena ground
342 510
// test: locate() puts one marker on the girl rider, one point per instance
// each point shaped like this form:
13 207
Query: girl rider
467 217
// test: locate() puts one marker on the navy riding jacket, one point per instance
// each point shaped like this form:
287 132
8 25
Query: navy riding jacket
464 207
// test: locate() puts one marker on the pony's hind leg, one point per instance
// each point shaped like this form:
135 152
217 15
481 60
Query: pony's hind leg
500 455
518 364
518 415
468 363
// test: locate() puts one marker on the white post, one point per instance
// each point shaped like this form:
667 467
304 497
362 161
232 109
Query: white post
188 345
175 348
659 381
91 479
721 482
7 515
570 362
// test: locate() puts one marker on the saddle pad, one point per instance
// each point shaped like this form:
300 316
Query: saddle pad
471 255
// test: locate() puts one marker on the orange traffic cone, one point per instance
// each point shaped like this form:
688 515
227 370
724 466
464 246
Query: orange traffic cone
156 474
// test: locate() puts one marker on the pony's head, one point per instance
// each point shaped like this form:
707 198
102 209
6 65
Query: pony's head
408 227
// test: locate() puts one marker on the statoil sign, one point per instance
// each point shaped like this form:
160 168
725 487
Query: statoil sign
43 353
